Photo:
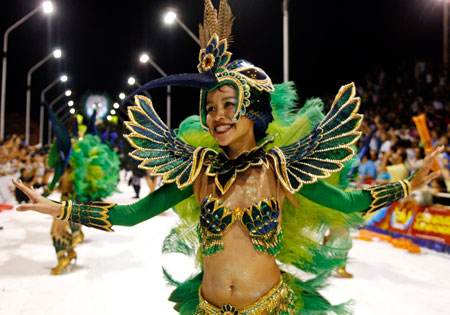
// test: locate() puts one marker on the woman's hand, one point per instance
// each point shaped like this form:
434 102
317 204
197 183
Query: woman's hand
423 176
39 203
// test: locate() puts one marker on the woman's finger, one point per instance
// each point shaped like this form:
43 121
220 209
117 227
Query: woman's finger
26 190
26 207
432 176
429 159
436 152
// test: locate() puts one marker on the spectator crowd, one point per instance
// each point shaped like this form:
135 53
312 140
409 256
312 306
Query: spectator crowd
390 148
389 100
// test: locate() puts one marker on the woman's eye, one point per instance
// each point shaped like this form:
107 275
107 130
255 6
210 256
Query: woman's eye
210 109
228 104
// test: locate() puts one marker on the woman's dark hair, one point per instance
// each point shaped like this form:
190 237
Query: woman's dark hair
260 112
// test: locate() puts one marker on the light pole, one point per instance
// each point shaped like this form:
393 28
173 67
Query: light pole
56 100
445 34
47 8
65 118
171 17
132 81
116 106
62 78
56 54
63 107
286 40
144 58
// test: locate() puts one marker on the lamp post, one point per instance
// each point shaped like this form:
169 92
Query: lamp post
171 17
52 103
132 81
122 96
445 34
62 107
56 54
47 8
285 40
62 78
116 106
65 118
144 58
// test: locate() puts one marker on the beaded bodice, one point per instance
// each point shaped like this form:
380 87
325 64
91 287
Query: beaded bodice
260 219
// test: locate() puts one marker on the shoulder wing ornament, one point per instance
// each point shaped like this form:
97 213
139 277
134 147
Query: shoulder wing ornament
325 148
159 149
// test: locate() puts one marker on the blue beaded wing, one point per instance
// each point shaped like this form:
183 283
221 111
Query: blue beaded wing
324 150
159 149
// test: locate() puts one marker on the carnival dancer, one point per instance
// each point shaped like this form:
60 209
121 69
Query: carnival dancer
250 198
84 168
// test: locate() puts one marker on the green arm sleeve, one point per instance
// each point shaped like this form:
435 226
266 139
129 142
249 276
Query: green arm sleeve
368 199
329 196
155 203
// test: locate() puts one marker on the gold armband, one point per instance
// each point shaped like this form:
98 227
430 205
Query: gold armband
384 195
93 214
66 210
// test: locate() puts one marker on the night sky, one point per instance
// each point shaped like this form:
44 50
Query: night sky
331 43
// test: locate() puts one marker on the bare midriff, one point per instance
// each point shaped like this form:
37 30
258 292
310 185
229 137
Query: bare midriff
239 275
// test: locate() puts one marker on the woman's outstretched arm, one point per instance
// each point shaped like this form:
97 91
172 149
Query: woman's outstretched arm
155 203
103 215
372 198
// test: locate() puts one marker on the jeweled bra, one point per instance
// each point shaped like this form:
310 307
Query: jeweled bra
260 219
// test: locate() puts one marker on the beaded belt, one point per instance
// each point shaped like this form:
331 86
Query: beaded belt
279 299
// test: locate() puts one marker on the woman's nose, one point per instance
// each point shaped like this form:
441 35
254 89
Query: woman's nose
220 113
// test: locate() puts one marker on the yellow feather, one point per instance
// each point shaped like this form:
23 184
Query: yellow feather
201 36
214 23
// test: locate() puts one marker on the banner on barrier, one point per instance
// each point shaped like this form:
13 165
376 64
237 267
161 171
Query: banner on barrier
409 218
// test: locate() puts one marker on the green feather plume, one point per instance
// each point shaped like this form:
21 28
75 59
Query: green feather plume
95 169
53 158
284 101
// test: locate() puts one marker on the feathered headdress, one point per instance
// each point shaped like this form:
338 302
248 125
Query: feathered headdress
220 24
216 69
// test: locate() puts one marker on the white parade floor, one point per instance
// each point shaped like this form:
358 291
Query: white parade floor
120 273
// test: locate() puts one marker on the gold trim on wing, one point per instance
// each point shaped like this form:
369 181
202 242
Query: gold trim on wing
198 157
289 167
341 91
176 159
280 168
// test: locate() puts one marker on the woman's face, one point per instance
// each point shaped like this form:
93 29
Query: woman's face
220 109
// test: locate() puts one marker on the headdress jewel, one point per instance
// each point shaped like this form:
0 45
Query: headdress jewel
215 58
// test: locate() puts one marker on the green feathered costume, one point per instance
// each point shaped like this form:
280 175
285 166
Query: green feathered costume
310 155
94 168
